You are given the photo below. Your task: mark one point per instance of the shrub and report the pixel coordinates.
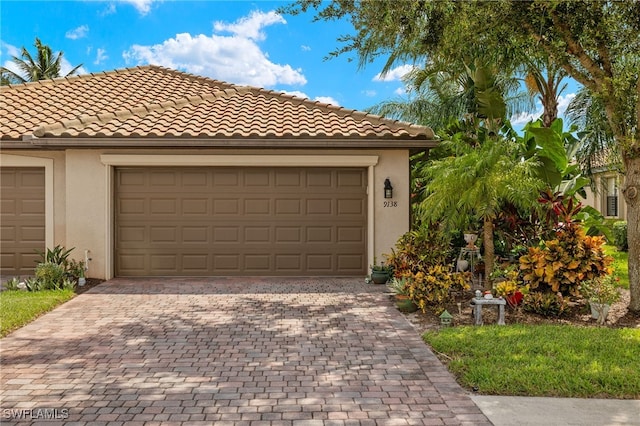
(432, 288)
(545, 304)
(58, 255)
(561, 264)
(620, 235)
(417, 251)
(50, 275)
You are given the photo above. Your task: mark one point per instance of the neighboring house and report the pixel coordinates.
(605, 195)
(154, 172)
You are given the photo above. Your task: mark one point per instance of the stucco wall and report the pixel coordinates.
(83, 193)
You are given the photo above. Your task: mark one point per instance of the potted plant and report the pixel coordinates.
(381, 273)
(400, 288)
(601, 292)
(76, 270)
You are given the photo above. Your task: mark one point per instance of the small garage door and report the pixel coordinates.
(240, 221)
(22, 219)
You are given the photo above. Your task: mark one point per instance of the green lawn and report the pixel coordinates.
(18, 308)
(543, 360)
(620, 264)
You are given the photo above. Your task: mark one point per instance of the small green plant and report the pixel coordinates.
(399, 286)
(620, 235)
(12, 284)
(601, 293)
(381, 267)
(50, 275)
(75, 269)
(545, 304)
(33, 284)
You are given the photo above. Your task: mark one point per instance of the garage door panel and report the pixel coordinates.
(319, 206)
(257, 263)
(22, 210)
(257, 234)
(195, 207)
(226, 206)
(255, 206)
(260, 221)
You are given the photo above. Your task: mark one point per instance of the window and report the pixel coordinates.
(611, 196)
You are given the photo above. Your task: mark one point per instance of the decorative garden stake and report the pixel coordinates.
(445, 318)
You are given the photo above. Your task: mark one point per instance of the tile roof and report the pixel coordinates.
(137, 105)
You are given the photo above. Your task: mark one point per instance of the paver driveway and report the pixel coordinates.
(229, 351)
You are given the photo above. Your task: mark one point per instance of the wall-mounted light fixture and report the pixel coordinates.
(388, 189)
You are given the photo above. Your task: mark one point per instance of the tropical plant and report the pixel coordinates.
(476, 184)
(58, 255)
(419, 250)
(545, 304)
(45, 65)
(432, 289)
(595, 43)
(561, 264)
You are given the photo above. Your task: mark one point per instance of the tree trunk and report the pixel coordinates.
(631, 191)
(489, 252)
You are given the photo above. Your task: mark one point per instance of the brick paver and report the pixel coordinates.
(229, 352)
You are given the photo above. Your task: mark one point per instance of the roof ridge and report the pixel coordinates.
(123, 114)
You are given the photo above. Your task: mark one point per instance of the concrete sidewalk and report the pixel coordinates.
(528, 411)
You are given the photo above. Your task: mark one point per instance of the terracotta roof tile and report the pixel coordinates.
(155, 102)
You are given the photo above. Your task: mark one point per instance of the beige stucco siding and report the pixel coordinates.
(82, 205)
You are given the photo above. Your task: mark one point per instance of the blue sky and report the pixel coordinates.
(242, 42)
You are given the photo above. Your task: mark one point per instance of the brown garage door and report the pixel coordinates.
(22, 219)
(240, 221)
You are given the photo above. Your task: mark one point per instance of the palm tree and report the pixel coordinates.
(45, 66)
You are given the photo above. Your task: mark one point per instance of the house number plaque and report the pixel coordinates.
(390, 204)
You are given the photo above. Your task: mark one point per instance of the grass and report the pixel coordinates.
(543, 360)
(18, 308)
(620, 264)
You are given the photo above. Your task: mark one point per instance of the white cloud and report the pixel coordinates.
(250, 26)
(65, 67)
(323, 99)
(525, 117)
(369, 93)
(142, 6)
(401, 91)
(77, 33)
(395, 74)
(305, 48)
(563, 103)
(235, 58)
(109, 10)
(11, 50)
(326, 100)
(100, 56)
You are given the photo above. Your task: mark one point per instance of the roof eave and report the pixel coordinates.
(178, 143)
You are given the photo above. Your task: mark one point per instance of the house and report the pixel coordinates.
(149, 171)
(605, 195)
